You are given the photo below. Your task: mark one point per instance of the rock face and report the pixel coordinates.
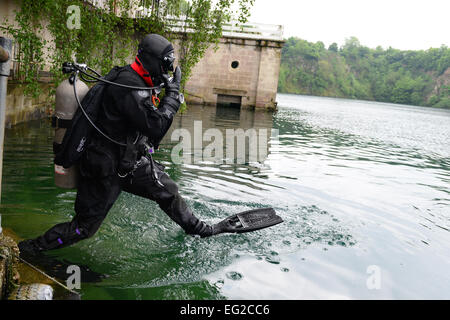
(442, 81)
(9, 275)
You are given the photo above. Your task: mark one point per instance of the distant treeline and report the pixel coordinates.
(355, 71)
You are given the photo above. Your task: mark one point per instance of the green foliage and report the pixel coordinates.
(107, 37)
(333, 47)
(32, 45)
(356, 71)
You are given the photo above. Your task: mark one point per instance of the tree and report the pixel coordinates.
(356, 71)
(333, 47)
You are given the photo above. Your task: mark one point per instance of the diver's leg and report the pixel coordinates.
(95, 198)
(167, 197)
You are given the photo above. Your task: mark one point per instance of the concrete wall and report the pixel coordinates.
(22, 108)
(255, 79)
(7, 14)
(7, 8)
(19, 107)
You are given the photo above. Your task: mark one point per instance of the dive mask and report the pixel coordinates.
(167, 62)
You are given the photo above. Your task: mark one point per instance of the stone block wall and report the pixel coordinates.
(254, 78)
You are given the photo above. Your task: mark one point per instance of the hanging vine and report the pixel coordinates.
(108, 36)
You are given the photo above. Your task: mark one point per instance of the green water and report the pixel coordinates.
(359, 184)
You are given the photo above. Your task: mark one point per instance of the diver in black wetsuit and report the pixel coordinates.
(124, 115)
(106, 168)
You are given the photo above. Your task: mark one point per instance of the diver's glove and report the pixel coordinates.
(172, 85)
(173, 98)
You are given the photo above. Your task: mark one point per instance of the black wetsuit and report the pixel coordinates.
(124, 114)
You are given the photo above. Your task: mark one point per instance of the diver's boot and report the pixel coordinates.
(247, 221)
(32, 252)
(206, 231)
(29, 247)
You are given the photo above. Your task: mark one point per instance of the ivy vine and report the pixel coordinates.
(107, 36)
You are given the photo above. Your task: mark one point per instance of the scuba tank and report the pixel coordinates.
(65, 107)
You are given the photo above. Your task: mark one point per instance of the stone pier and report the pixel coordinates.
(242, 71)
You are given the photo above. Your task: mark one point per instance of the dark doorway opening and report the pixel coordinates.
(229, 101)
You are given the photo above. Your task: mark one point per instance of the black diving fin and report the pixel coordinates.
(248, 221)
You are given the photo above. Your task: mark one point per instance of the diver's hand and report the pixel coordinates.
(173, 84)
(172, 98)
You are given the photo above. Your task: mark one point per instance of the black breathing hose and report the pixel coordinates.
(82, 68)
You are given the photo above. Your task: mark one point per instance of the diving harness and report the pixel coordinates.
(66, 106)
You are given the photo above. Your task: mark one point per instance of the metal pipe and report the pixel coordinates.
(5, 66)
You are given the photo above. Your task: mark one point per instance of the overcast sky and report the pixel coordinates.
(401, 24)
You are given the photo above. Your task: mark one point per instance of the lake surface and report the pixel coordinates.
(363, 188)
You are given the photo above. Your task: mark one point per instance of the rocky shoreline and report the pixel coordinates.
(21, 281)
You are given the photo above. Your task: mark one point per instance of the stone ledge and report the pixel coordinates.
(230, 92)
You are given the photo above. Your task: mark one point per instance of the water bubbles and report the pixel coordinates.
(273, 258)
(233, 275)
(219, 283)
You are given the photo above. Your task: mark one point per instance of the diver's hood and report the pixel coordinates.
(152, 51)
